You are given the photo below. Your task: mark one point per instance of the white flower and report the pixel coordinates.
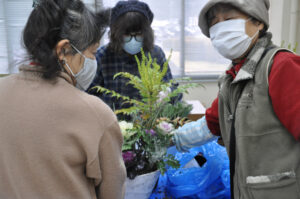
(165, 127)
(163, 94)
(124, 126)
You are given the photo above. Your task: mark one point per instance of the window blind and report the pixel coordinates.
(13, 17)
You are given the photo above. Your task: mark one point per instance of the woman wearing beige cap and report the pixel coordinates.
(257, 111)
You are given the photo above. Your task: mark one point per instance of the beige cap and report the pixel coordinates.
(255, 8)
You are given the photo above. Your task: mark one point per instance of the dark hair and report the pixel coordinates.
(127, 23)
(227, 7)
(54, 20)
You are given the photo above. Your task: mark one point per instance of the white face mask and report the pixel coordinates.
(230, 38)
(87, 73)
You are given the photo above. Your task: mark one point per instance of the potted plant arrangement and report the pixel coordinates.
(147, 136)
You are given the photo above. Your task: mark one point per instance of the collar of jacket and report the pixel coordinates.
(248, 69)
(37, 71)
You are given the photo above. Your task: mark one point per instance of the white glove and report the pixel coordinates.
(192, 134)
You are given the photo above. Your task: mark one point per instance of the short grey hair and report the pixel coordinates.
(54, 20)
(80, 28)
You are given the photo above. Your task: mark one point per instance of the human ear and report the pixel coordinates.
(61, 48)
(261, 26)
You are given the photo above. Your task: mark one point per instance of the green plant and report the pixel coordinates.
(294, 49)
(147, 138)
(173, 111)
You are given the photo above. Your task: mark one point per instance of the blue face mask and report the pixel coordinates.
(133, 46)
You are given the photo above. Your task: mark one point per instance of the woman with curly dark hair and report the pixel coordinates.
(55, 140)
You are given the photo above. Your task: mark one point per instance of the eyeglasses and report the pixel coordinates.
(128, 37)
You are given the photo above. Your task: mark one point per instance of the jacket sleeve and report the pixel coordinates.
(161, 59)
(113, 172)
(212, 118)
(193, 134)
(284, 90)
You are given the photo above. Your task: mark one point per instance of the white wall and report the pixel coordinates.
(205, 93)
(276, 19)
(284, 17)
(284, 24)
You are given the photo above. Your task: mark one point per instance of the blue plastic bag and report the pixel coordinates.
(210, 181)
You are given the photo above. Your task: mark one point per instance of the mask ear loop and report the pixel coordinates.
(64, 70)
(257, 32)
(65, 62)
(78, 51)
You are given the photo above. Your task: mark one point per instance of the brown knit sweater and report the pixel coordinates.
(57, 142)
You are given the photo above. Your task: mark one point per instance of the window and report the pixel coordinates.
(3, 44)
(176, 28)
(200, 58)
(13, 17)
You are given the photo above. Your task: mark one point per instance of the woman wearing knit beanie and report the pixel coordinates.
(257, 111)
(130, 30)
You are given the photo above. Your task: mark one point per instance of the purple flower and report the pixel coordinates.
(165, 127)
(151, 132)
(128, 156)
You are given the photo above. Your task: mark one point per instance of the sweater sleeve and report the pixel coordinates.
(284, 90)
(112, 167)
(212, 118)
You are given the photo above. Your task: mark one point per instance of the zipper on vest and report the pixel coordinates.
(233, 103)
(229, 104)
(230, 118)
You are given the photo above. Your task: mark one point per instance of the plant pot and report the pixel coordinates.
(141, 186)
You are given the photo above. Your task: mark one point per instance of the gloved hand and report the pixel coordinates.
(192, 134)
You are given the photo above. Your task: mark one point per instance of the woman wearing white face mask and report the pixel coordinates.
(257, 111)
(130, 30)
(234, 37)
(57, 141)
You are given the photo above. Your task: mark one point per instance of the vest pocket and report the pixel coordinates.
(279, 186)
